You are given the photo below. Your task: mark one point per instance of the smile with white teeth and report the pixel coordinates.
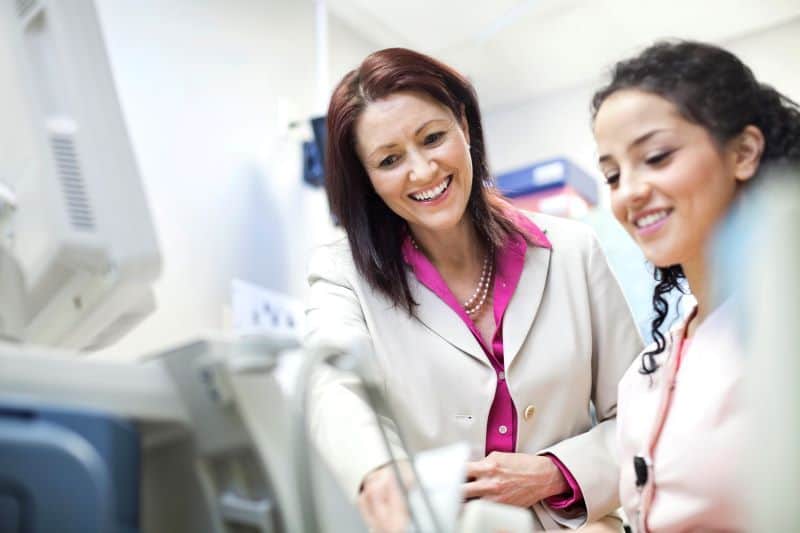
(652, 218)
(432, 193)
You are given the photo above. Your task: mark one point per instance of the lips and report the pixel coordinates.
(433, 193)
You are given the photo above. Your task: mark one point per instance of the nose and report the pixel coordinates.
(422, 168)
(633, 191)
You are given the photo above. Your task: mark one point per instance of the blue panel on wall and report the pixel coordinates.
(314, 153)
(313, 169)
(548, 175)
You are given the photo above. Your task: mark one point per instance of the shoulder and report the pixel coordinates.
(561, 231)
(332, 261)
(573, 244)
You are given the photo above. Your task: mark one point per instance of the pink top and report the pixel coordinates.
(689, 423)
(501, 427)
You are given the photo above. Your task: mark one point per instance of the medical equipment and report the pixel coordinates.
(78, 251)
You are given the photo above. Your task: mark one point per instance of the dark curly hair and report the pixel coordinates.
(710, 87)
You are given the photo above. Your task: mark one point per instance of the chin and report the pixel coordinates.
(662, 260)
(659, 258)
(441, 221)
(666, 252)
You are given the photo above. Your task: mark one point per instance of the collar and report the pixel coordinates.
(528, 232)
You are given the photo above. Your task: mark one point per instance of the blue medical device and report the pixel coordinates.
(67, 471)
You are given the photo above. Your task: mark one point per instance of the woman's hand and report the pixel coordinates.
(514, 479)
(381, 500)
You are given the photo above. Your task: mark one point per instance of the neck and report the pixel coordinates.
(454, 250)
(696, 272)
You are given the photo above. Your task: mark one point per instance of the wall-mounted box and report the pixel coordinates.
(554, 186)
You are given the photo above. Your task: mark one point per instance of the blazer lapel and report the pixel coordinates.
(524, 304)
(444, 322)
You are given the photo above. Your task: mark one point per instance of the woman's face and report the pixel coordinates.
(670, 183)
(416, 154)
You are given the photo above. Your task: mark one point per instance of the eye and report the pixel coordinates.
(656, 159)
(388, 161)
(433, 138)
(612, 179)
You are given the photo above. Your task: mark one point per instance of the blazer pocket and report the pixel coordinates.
(464, 421)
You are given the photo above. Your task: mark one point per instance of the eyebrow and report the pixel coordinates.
(416, 132)
(639, 140)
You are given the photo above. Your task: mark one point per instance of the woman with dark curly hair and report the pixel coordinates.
(489, 325)
(681, 130)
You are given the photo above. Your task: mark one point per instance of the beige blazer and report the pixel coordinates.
(568, 338)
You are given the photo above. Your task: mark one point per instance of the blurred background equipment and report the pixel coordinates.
(556, 187)
(78, 251)
(757, 258)
(772, 326)
(91, 446)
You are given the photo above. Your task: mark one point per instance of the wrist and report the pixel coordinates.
(554, 482)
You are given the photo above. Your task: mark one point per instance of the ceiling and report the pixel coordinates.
(514, 50)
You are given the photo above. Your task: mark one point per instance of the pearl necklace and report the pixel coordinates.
(474, 303)
(482, 290)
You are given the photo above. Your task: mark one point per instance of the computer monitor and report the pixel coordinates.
(78, 250)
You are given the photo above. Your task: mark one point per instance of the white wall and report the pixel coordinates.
(207, 89)
(774, 56)
(348, 50)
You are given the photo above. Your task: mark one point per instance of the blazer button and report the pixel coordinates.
(529, 412)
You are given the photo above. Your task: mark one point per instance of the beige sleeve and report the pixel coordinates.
(342, 424)
(591, 457)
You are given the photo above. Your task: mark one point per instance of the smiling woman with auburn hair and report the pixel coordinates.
(376, 232)
(489, 325)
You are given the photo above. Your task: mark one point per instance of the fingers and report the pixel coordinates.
(381, 502)
(365, 508)
(480, 483)
(393, 516)
(373, 501)
(376, 510)
(481, 488)
(482, 468)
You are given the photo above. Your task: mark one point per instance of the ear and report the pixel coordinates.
(748, 147)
